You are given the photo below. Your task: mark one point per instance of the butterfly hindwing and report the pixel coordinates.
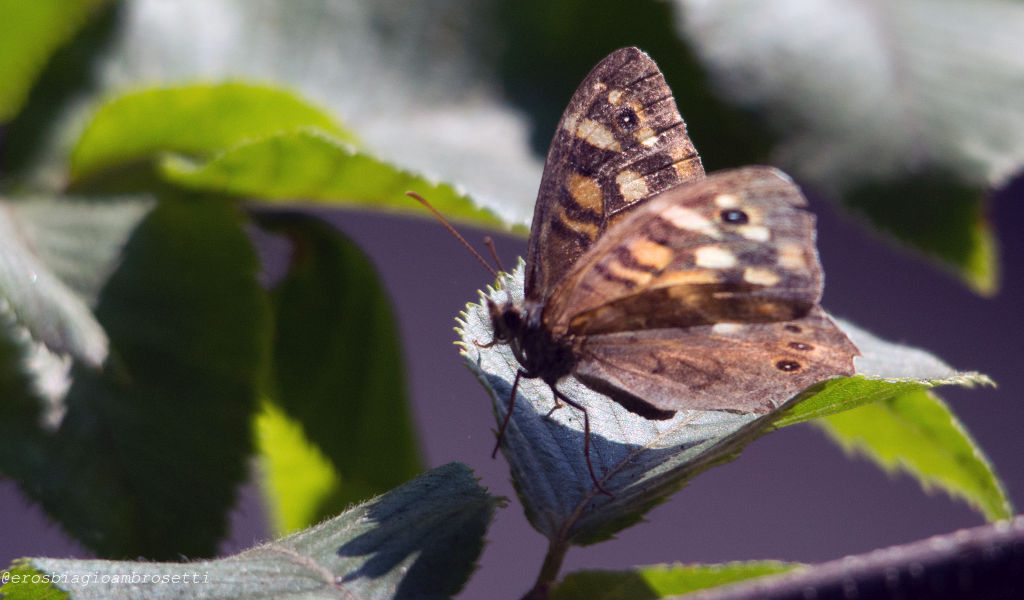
(620, 141)
(742, 367)
(734, 247)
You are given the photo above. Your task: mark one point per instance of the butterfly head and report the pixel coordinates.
(539, 353)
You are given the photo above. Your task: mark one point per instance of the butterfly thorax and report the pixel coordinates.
(540, 353)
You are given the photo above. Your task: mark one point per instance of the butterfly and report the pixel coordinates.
(654, 284)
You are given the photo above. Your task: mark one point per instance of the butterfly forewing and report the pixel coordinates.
(734, 247)
(620, 141)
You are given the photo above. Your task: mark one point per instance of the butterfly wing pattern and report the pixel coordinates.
(620, 141)
(656, 285)
(705, 298)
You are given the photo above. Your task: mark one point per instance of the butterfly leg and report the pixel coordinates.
(586, 438)
(508, 414)
(487, 345)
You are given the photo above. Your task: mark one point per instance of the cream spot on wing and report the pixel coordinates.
(727, 201)
(585, 191)
(597, 135)
(569, 123)
(686, 278)
(726, 328)
(687, 169)
(760, 276)
(623, 272)
(714, 257)
(791, 256)
(588, 229)
(757, 233)
(646, 136)
(650, 253)
(631, 185)
(690, 220)
(615, 97)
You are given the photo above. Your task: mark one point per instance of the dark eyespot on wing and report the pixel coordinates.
(734, 217)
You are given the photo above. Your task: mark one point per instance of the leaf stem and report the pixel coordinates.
(549, 570)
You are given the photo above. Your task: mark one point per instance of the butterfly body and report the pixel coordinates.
(656, 285)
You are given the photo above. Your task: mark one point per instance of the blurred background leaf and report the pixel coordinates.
(337, 367)
(147, 458)
(659, 581)
(909, 111)
(29, 34)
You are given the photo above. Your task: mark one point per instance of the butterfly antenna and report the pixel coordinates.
(494, 253)
(452, 231)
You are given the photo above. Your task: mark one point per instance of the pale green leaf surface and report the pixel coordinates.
(917, 433)
(199, 119)
(312, 166)
(29, 32)
(420, 540)
(657, 581)
(640, 461)
(54, 257)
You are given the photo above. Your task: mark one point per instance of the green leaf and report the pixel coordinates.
(658, 581)
(640, 461)
(917, 433)
(29, 33)
(418, 541)
(146, 460)
(871, 104)
(26, 583)
(308, 166)
(940, 216)
(441, 112)
(198, 120)
(55, 257)
(337, 363)
(298, 481)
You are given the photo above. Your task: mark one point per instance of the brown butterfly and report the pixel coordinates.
(657, 286)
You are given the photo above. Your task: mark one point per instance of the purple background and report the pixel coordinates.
(792, 495)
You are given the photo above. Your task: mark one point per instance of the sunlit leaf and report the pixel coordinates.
(418, 541)
(29, 33)
(641, 461)
(658, 581)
